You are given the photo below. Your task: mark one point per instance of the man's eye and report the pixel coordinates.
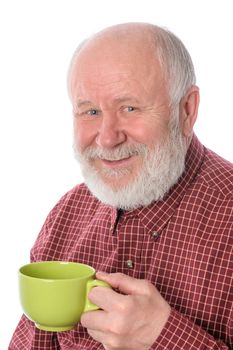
(92, 112)
(129, 109)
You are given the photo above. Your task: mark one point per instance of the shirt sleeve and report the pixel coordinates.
(181, 333)
(27, 337)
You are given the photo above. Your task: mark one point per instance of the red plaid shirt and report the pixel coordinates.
(182, 244)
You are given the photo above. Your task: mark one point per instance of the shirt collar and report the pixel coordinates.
(156, 215)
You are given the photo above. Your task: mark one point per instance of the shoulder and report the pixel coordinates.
(78, 199)
(217, 173)
(78, 193)
(64, 222)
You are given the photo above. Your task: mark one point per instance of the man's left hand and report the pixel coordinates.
(132, 320)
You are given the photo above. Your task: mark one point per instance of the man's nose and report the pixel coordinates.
(111, 132)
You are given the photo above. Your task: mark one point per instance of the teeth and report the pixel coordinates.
(111, 160)
(114, 159)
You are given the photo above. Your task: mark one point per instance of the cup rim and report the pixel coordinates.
(56, 262)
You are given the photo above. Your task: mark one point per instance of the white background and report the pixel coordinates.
(37, 39)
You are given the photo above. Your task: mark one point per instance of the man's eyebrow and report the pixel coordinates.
(117, 100)
(126, 99)
(81, 103)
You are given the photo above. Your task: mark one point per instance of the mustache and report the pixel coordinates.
(121, 152)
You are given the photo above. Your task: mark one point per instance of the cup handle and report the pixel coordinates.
(89, 306)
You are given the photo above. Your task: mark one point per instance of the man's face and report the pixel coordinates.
(119, 101)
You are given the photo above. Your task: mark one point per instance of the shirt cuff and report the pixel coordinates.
(181, 333)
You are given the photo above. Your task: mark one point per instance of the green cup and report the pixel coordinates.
(54, 294)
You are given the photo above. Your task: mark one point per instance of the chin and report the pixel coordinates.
(117, 184)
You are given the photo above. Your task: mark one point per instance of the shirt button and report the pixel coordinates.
(155, 234)
(129, 264)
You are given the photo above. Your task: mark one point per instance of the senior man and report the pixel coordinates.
(154, 216)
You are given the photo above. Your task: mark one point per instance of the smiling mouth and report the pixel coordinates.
(116, 162)
(115, 159)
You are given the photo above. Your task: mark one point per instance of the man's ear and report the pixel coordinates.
(188, 110)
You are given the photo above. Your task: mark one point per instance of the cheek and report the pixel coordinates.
(84, 135)
(149, 133)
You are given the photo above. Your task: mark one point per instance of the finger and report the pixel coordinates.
(124, 283)
(101, 338)
(94, 320)
(105, 298)
(99, 328)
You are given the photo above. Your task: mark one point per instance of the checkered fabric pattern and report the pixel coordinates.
(183, 245)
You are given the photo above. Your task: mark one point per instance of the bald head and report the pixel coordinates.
(129, 34)
(144, 43)
(119, 42)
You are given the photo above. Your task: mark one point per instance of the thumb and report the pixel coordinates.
(122, 282)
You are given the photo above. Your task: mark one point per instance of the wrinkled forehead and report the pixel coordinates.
(111, 56)
(116, 48)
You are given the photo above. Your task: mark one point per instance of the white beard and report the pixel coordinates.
(161, 169)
